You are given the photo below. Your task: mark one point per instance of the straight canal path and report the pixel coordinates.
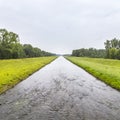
(60, 91)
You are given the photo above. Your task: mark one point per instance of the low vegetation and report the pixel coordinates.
(14, 70)
(106, 70)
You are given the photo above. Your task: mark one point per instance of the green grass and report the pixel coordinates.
(106, 70)
(13, 71)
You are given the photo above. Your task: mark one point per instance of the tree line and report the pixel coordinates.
(111, 51)
(91, 52)
(112, 48)
(10, 47)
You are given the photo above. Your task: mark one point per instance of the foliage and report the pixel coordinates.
(104, 69)
(112, 48)
(7, 41)
(91, 52)
(112, 51)
(10, 47)
(14, 70)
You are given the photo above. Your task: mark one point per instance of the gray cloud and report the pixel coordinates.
(61, 26)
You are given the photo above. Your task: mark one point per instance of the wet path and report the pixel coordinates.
(60, 91)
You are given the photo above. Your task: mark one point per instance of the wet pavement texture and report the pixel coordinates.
(60, 91)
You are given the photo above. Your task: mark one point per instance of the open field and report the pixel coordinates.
(13, 71)
(106, 70)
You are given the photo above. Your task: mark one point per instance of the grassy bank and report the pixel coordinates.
(104, 69)
(13, 71)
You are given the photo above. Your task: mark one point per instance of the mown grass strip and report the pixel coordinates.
(13, 71)
(106, 70)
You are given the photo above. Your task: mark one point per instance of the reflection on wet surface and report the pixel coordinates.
(60, 91)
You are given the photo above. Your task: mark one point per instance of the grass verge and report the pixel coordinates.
(15, 70)
(106, 70)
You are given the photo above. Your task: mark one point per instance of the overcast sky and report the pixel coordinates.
(59, 26)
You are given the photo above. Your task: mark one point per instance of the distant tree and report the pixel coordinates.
(75, 53)
(37, 52)
(118, 54)
(114, 43)
(10, 47)
(91, 52)
(29, 50)
(113, 48)
(7, 39)
(107, 47)
(17, 51)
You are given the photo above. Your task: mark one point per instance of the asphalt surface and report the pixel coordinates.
(60, 91)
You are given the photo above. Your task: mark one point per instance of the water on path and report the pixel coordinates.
(60, 91)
